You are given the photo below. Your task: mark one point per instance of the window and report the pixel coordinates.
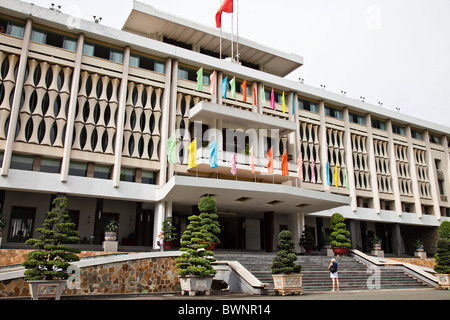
(147, 63)
(21, 224)
(308, 105)
(12, 28)
(78, 169)
(435, 139)
(416, 134)
(148, 177)
(335, 113)
(191, 75)
(22, 162)
(102, 172)
(356, 118)
(378, 124)
(53, 39)
(102, 52)
(127, 174)
(50, 165)
(398, 129)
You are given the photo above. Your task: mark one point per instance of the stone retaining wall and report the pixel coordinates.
(133, 273)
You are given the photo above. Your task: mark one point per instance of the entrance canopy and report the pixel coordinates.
(249, 197)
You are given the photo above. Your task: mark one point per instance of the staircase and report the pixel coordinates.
(353, 275)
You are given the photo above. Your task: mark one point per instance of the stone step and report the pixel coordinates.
(353, 274)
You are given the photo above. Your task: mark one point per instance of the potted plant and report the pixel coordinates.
(376, 243)
(194, 266)
(208, 214)
(442, 256)
(46, 268)
(170, 236)
(419, 246)
(339, 235)
(111, 228)
(285, 273)
(307, 239)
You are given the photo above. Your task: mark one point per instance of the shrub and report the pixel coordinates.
(442, 255)
(195, 260)
(339, 233)
(53, 257)
(169, 230)
(286, 256)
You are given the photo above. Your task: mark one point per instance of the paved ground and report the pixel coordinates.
(411, 294)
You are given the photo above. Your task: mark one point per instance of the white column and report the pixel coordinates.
(16, 100)
(157, 222)
(121, 118)
(323, 146)
(432, 177)
(413, 173)
(393, 169)
(72, 109)
(372, 166)
(165, 119)
(349, 161)
(173, 106)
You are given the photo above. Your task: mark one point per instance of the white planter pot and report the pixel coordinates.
(443, 280)
(47, 288)
(288, 283)
(110, 236)
(192, 285)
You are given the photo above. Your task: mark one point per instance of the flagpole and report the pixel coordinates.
(232, 36)
(237, 30)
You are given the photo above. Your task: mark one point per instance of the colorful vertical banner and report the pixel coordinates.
(284, 165)
(252, 160)
(192, 162)
(224, 87)
(244, 91)
(336, 181)
(313, 172)
(233, 164)
(212, 86)
(284, 103)
(172, 149)
(200, 80)
(328, 174)
(293, 104)
(272, 100)
(263, 97)
(255, 98)
(233, 88)
(213, 154)
(300, 166)
(270, 161)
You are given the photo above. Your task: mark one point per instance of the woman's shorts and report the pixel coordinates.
(334, 275)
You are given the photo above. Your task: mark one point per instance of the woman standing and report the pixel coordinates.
(333, 267)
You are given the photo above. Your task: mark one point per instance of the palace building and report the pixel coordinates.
(86, 111)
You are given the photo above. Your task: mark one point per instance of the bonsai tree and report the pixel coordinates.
(208, 214)
(307, 239)
(195, 259)
(286, 256)
(53, 257)
(168, 229)
(442, 255)
(339, 233)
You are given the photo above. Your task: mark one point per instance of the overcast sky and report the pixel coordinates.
(392, 51)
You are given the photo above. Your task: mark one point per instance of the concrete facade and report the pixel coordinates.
(86, 111)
